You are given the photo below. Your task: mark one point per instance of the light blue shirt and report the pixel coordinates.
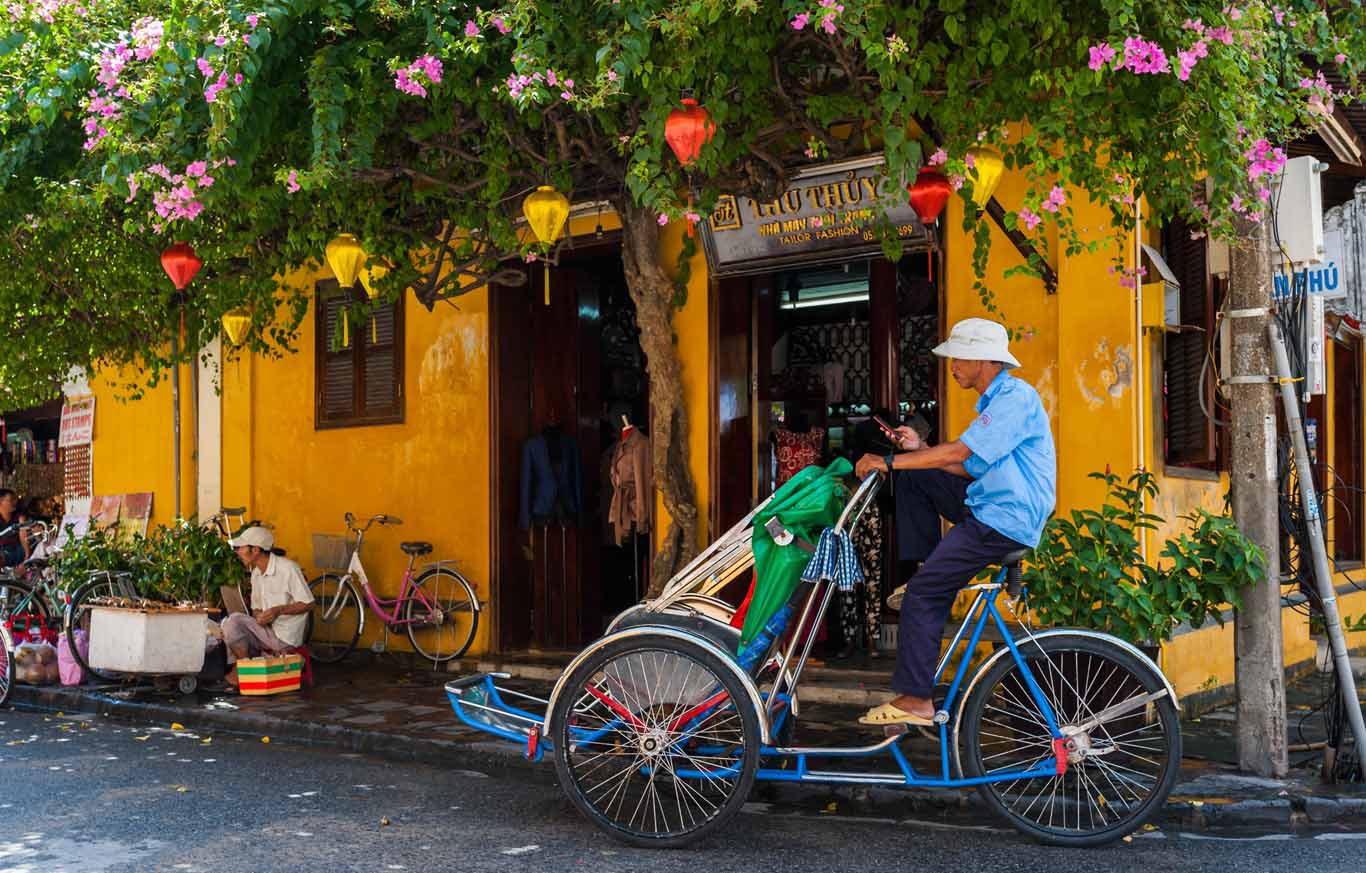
(1013, 464)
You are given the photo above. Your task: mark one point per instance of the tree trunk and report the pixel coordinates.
(653, 293)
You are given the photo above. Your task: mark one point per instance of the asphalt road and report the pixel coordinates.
(84, 794)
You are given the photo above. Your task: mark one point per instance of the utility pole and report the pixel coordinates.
(1259, 653)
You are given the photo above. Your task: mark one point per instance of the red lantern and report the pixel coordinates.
(181, 264)
(929, 194)
(687, 130)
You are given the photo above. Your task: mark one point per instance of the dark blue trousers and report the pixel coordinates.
(950, 563)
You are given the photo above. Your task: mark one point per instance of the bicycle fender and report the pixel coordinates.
(752, 690)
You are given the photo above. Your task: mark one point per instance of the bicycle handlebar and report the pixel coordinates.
(374, 519)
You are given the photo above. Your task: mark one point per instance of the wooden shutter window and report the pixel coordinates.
(360, 383)
(1190, 434)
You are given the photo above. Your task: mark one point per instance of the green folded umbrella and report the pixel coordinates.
(806, 504)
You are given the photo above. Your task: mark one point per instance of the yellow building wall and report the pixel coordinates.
(132, 447)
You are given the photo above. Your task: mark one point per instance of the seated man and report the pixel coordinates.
(996, 483)
(13, 538)
(280, 602)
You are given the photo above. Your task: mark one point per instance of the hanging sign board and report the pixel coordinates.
(827, 214)
(78, 422)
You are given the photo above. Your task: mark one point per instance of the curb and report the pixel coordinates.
(479, 753)
(1291, 809)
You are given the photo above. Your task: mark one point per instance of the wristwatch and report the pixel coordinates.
(889, 459)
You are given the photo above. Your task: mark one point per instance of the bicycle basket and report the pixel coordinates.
(332, 552)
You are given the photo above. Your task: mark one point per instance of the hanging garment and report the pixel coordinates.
(552, 482)
(861, 610)
(832, 374)
(797, 451)
(633, 490)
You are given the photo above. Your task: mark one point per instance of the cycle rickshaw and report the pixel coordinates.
(660, 728)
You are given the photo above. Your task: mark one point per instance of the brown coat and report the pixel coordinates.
(633, 492)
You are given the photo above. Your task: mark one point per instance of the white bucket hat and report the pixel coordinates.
(259, 537)
(978, 339)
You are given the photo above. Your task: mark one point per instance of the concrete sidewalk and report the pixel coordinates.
(405, 715)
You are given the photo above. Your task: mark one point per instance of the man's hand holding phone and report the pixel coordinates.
(904, 437)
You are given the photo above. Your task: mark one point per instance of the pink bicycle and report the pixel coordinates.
(437, 607)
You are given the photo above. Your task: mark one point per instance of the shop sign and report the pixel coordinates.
(827, 213)
(78, 422)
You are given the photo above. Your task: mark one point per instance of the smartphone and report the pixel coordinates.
(885, 428)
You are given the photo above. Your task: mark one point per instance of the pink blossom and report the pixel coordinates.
(252, 21)
(938, 158)
(693, 217)
(1030, 220)
(569, 83)
(471, 29)
(817, 221)
(205, 68)
(221, 41)
(237, 79)
(1100, 55)
(1194, 24)
(246, 40)
(809, 152)
(198, 168)
(1233, 12)
(132, 187)
(530, 257)
(1264, 194)
(566, 95)
(231, 162)
(1056, 198)
(799, 22)
(971, 160)
(1142, 56)
(551, 79)
(292, 181)
(205, 181)
(611, 75)
(500, 25)
(828, 24)
(147, 34)
(955, 181)
(211, 92)
(1221, 34)
(1339, 58)
(663, 219)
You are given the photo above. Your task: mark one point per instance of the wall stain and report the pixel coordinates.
(1114, 375)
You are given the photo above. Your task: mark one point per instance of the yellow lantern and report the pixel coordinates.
(546, 210)
(987, 168)
(370, 276)
(345, 257)
(369, 279)
(236, 323)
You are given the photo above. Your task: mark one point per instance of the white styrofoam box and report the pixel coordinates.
(1299, 211)
(147, 641)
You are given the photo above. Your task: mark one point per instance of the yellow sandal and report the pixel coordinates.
(886, 714)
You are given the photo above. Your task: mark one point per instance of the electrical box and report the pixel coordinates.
(1315, 375)
(1218, 257)
(1299, 211)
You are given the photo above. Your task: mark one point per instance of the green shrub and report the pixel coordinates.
(182, 562)
(1088, 570)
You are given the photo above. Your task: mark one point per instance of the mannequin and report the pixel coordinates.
(797, 446)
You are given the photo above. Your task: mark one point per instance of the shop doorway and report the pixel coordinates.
(567, 377)
(804, 358)
(818, 349)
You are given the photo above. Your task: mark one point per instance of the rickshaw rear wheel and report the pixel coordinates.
(1120, 770)
(656, 740)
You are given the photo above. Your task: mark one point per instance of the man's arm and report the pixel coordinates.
(945, 456)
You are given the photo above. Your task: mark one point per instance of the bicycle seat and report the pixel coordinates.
(1015, 557)
(416, 549)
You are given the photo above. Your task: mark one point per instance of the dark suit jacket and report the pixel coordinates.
(547, 492)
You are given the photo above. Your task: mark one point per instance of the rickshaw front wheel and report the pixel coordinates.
(656, 740)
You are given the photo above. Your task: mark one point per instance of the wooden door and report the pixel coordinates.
(733, 471)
